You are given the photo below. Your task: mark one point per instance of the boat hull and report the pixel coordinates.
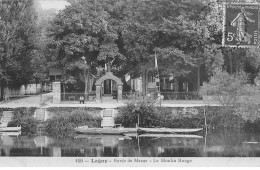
(165, 135)
(10, 129)
(10, 133)
(104, 131)
(123, 131)
(167, 130)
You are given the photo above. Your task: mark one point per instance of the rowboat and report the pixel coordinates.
(10, 133)
(253, 142)
(105, 131)
(118, 137)
(168, 130)
(166, 135)
(10, 129)
(123, 131)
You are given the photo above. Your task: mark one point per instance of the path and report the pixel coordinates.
(35, 101)
(28, 101)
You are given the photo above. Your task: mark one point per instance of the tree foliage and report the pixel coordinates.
(131, 31)
(17, 30)
(229, 90)
(185, 35)
(85, 29)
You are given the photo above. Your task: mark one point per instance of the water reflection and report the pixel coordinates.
(218, 144)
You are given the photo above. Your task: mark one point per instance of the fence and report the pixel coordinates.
(75, 96)
(70, 97)
(166, 96)
(181, 96)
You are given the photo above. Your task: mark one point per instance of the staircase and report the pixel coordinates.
(6, 118)
(108, 120)
(40, 115)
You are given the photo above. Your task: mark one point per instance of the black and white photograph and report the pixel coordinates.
(123, 83)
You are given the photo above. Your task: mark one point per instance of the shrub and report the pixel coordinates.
(252, 126)
(216, 117)
(233, 91)
(28, 125)
(23, 117)
(223, 117)
(148, 115)
(58, 111)
(1, 114)
(62, 124)
(23, 112)
(151, 116)
(226, 88)
(179, 118)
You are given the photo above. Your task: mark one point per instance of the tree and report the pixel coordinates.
(41, 54)
(185, 36)
(178, 31)
(17, 29)
(233, 91)
(228, 89)
(84, 29)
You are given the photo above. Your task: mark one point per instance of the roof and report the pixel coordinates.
(55, 72)
(109, 75)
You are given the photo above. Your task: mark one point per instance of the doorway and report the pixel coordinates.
(107, 87)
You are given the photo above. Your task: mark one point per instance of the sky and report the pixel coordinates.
(56, 4)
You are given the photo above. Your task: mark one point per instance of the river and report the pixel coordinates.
(217, 144)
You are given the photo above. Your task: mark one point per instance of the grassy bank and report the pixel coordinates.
(62, 121)
(24, 117)
(212, 117)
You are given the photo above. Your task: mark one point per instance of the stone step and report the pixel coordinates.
(108, 120)
(39, 114)
(9, 116)
(8, 113)
(6, 118)
(108, 112)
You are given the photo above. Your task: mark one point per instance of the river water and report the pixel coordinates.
(217, 144)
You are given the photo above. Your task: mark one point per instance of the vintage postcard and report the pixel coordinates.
(129, 83)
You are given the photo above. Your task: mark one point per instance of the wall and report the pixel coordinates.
(25, 90)
(33, 88)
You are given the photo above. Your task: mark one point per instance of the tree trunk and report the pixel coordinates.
(230, 64)
(144, 82)
(64, 89)
(2, 90)
(176, 85)
(86, 76)
(198, 85)
(237, 67)
(108, 67)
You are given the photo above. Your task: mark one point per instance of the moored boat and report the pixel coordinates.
(89, 136)
(105, 131)
(168, 130)
(10, 133)
(166, 135)
(124, 131)
(10, 129)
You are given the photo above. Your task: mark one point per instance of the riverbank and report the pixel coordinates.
(37, 101)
